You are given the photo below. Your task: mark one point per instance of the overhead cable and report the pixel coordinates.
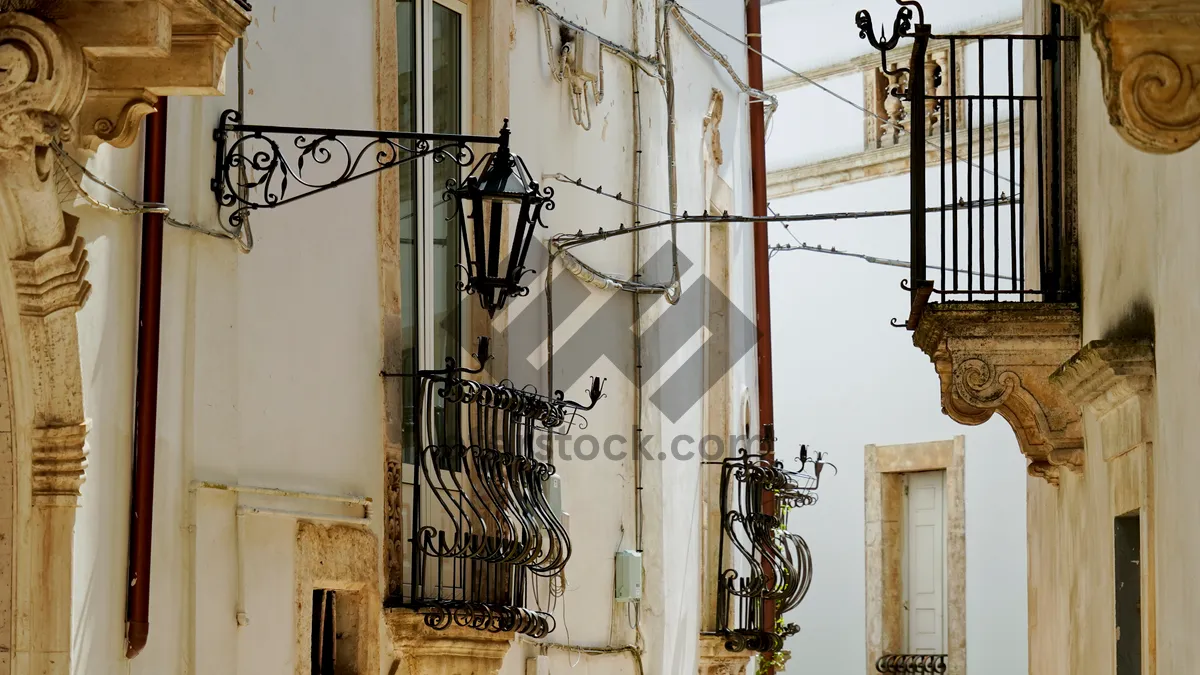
(827, 90)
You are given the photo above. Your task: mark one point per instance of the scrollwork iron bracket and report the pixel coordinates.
(901, 27)
(261, 166)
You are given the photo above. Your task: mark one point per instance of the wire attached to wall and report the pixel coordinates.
(243, 235)
(136, 206)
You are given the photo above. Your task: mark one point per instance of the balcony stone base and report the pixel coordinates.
(455, 650)
(714, 659)
(998, 357)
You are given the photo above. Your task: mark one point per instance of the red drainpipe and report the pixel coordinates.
(137, 600)
(762, 279)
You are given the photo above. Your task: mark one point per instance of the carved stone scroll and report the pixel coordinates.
(997, 358)
(1150, 68)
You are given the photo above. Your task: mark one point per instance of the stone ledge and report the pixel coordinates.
(1114, 380)
(139, 50)
(454, 650)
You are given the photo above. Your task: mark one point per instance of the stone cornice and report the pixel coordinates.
(902, 52)
(1105, 374)
(1149, 58)
(864, 166)
(425, 651)
(139, 50)
(997, 357)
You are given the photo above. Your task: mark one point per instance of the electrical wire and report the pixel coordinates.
(770, 103)
(137, 206)
(827, 90)
(565, 241)
(874, 260)
(650, 66)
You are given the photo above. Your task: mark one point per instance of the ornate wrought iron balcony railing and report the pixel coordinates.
(1003, 228)
(764, 569)
(918, 664)
(469, 526)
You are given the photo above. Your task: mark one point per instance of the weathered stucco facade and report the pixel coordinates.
(1101, 392)
(1135, 379)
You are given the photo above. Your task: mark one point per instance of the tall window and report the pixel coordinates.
(431, 41)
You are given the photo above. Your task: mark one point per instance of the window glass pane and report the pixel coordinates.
(406, 43)
(447, 103)
(446, 33)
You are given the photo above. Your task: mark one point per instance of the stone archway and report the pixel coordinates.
(43, 79)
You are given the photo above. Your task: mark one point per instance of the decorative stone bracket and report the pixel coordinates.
(456, 650)
(1114, 380)
(998, 357)
(1149, 54)
(139, 50)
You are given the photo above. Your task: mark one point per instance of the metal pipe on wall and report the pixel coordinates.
(762, 254)
(145, 414)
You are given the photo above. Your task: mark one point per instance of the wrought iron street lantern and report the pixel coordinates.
(263, 167)
(499, 182)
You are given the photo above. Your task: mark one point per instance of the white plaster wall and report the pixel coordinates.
(846, 378)
(269, 360)
(1138, 242)
(268, 371)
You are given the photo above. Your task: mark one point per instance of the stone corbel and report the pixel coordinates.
(997, 358)
(114, 116)
(139, 50)
(1114, 380)
(1149, 55)
(454, 650)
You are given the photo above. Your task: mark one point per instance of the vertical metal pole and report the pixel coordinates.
(916, 127)
(1052, 284)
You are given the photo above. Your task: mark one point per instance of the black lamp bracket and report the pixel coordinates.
(261, 166)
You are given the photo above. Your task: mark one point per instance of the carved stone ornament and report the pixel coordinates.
(998, 358)
(1114, 381)
(1149, 54)
(456, 650)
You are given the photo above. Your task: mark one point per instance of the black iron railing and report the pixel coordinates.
(470, 528)
(920, 664)
(764, 570)
(994, 148)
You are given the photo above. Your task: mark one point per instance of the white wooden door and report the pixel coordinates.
(925, 562)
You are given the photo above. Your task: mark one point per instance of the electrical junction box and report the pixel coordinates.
(552, 488)
(629, 576)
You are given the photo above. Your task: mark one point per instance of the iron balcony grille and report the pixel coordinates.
(921, 664)
(994, 146)
(759, 561)
(470, 529)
